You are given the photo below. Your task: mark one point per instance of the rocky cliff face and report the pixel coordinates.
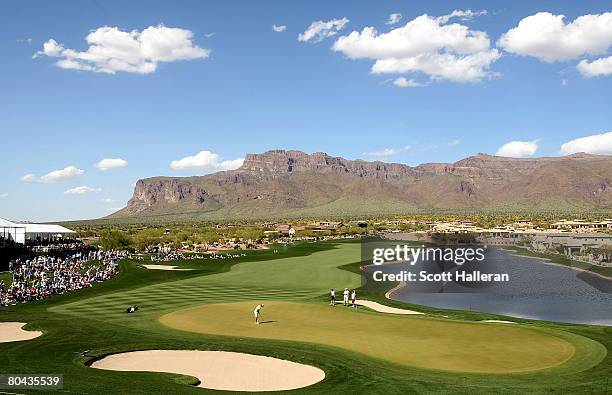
(281, 181)
(280, 162)
(148, 193)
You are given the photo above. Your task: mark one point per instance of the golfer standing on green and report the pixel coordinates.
(257, 311)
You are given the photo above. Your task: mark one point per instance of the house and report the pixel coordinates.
(579, 224)
(285, 229)
(571, 243)
(327, 224)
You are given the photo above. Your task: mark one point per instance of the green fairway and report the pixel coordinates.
(287, 278)
(91, 322)
(420, 342)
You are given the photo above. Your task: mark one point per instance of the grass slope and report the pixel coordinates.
(7, 278)
(428, 343)
(91, 323)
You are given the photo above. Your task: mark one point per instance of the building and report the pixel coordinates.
(330, 224)
(22, 233)
(579, 224)
(285, 229)
(571, 243)
(325, 225)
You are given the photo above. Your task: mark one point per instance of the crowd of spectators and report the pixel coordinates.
(166, 257)
(177, 256)
(58, 248)
(225, 256)
(44, 275)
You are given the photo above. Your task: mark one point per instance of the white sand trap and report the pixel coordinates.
(499, 321)
(219, 370)
(164, 267)
(12, 332)
(385, 309)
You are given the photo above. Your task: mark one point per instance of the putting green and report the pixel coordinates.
(419, 342)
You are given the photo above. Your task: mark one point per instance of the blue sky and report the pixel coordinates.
(242, 87)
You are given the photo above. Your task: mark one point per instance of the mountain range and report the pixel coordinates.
(283, 183)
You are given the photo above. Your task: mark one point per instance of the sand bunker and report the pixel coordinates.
(164, 267)
(385, 309)
(218, 370)
(499, 321)
(12, 332)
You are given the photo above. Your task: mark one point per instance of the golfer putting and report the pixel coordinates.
(257, 312)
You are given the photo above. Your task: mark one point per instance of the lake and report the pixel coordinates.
(537, 290)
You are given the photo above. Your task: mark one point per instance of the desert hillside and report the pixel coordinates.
(292, 182)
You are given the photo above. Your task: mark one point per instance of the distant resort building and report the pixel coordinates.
(572, 238)
(281, 229)
(285, 229)
(522, 227)
(23, 233)
(571, 243)
(580, 224)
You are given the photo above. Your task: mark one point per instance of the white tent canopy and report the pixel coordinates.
(20, 233)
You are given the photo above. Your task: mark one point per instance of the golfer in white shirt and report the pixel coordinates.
(257, 312)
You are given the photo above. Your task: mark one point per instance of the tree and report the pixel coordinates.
(305, 233)
(250, 233)
(605, 251)
(146, 238)
(115, 240)
(352, 230)
(206, 237)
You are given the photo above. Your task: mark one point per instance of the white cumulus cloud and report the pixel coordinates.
(426, 44)
(518, 149)
(3, 195)
(598, 67)
(464, 15)
(404, 82)
(596, 144)
(548, 37)
(279, 28)
(394, 18)
(387, 152)
(66, 173)
(111, 163)
(112, 50)
(28, 177)
(81, 190)
(205, 161)
(319, 30)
